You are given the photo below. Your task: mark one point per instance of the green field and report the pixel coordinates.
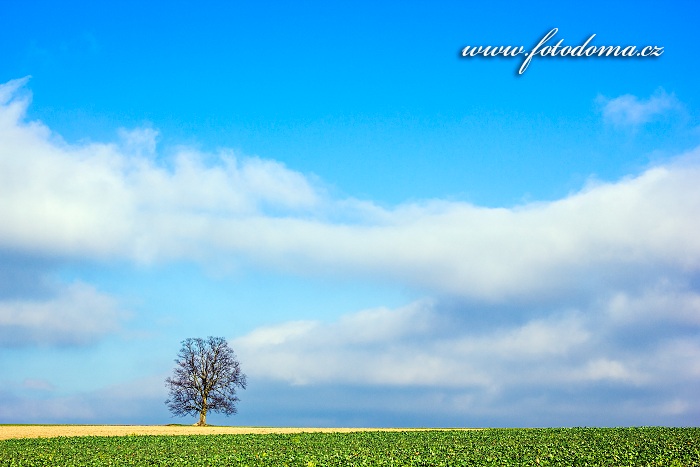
(504, 447)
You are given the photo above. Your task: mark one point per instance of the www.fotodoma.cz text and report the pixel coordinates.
(547, 48)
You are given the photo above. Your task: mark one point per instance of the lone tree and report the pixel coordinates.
(205, 378)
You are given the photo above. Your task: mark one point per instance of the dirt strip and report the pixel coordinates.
(52, 431)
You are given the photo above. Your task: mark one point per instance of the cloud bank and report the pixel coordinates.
(619, 347)
(106, 201)
(77, 315)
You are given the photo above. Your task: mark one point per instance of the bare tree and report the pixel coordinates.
(205, 378)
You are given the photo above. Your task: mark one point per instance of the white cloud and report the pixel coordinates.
(139, 141)
(8, 93)
(409, 346)
(629, 110)
(78, 315)
(378, 346)
(113, 200)
(663, 303)
(624, 229)
(426, 347)
(606, 369)
(105, 200)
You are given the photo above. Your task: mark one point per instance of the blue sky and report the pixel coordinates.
(386, 233)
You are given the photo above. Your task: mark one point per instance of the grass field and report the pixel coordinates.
(493, 447)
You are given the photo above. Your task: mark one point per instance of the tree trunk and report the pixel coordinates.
(203, 412)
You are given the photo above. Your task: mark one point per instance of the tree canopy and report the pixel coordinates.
(205, 378)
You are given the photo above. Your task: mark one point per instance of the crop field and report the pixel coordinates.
(489, 447)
